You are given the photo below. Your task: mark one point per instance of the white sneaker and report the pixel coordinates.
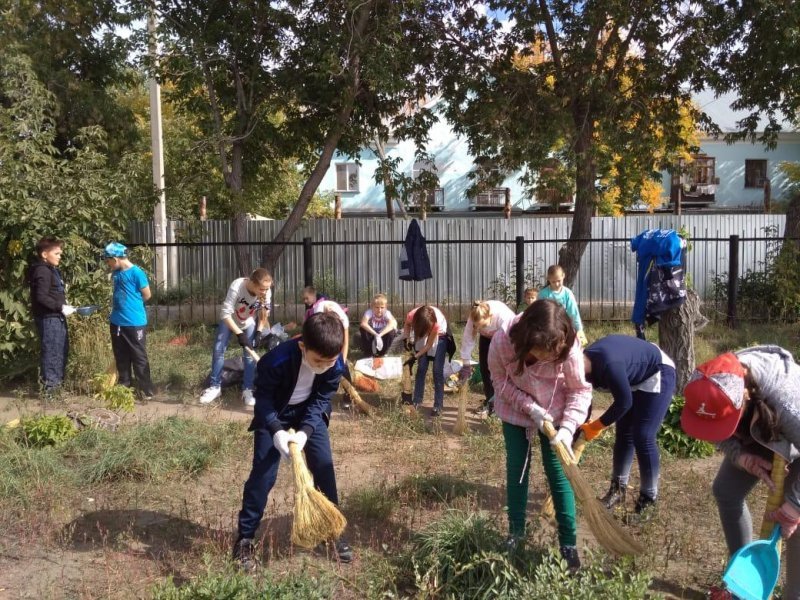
(210, 394)
(248, 399)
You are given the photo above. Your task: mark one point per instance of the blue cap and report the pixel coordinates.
(115, 250)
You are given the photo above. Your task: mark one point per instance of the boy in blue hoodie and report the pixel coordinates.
(293, 389)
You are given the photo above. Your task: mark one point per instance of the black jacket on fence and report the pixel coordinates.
(47, 289)
(414, 262)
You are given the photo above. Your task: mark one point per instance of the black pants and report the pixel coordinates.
(55, 348)
(366, 342)
(483, 364)
(129, 345)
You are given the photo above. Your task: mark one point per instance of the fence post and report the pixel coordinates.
(337, 206)
(733, 279)
(507, 205)
(520, 263)
(308, 262)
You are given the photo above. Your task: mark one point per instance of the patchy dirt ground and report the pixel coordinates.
(117, 541)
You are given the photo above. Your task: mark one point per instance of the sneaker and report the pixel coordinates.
(570, 555)
(210, 394)
(615, 495)
(248, 399)
(513, 544)
(244, 553)
(436, 412)
(343, 551)
(482, 412)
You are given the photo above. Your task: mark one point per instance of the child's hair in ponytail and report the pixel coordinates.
(767, 422)
(544, 325)
(479, 313)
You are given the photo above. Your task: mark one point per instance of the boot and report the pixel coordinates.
(615, 495)
(570, 554)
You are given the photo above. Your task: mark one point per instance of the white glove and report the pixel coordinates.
(378, 343)
(281, 441)
(564, 436)
(300, 438)
(539, 415)
(67, 310)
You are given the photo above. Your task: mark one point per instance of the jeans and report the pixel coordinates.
(731, 487)
(637, 430)
(218, 357)
(518, 455)
(438, 375)
(266, 459)
(55, 348)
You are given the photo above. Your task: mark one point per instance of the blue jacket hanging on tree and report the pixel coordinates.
(659, 256)
(414, 262)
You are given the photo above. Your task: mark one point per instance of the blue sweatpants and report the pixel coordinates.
(55, 348)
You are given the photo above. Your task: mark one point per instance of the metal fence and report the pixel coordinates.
(351, 260)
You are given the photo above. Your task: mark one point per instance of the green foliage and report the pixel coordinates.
(771, 292)
(117, 397)
(462, 555)
(376, 503)
(435, 488)
(330, 286)
(46, 430)
(72, 195)
(173, 447)
(231, 583)
(674, 441)
(504, 286)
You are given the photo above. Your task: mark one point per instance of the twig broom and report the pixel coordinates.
(460, 427)
(316, 519)
(358, 401)
(606, 530)
(548, 508)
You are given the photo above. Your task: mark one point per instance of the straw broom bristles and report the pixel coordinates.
(548, 508)
(316, 519)
(460, 427)
(605, 529)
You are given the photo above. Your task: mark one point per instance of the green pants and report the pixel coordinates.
(517, 449)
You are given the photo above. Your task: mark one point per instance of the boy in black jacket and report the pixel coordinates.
(50, 309)
(293, 389)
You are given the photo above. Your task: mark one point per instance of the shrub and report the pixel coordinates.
(117, 397)
(372, 503)
(46, 430)
(674, 441)
(231, 583)
(504, 286)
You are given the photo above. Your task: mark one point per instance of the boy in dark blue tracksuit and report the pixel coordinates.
(293, 388)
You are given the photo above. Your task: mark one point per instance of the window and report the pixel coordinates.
(701, 171)
(346, 177)
(755, 173)
(422, 166)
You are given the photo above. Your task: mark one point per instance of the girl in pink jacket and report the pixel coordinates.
(537, 373)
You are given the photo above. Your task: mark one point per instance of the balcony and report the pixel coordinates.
(433, 199)
(491, 199)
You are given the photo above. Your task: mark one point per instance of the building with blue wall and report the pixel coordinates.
(723, 175)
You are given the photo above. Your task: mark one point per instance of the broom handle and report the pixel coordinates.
(550, 432)
(775, 499)
(294, 452)
(253, 354)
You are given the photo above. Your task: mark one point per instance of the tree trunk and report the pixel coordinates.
(676, 331)
(234, 182)
(570, 254)
(387, 184)
(792, 225)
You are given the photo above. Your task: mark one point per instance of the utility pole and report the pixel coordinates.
(156, 144)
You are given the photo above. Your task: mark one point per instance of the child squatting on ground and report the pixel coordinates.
(129, 319)
(245, 314)
(378, 328)
(555, 290)
(537, 373)
(641, 378)
(748, 402)
(486, 317)
(531, 295)
(429, 326)
(294, 385)
(50, 310)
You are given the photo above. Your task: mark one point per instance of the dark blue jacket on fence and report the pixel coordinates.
(276, 378)
(414, 262)
(661, 247)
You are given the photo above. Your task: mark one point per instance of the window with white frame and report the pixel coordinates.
(755, 173)
(346, 177)
(422, 166)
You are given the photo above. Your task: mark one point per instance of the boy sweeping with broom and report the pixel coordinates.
(293, 389)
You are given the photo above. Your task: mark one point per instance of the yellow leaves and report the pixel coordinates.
(14, 248)
(652, 194)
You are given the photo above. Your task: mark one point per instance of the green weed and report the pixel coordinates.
(371, 503)
(46, 430)
(435, 488)
(674, 441)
